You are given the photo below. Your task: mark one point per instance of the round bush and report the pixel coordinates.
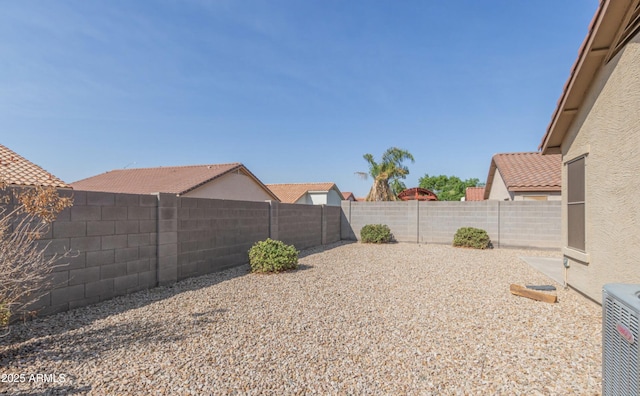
(471, 237)
(272, 256)
(376, 233)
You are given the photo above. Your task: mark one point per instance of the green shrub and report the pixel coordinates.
(376, 233)
(472, 237)
(272, 256)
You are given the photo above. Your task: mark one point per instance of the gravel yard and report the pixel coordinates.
(354, 319)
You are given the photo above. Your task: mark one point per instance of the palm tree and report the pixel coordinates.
(389, 170)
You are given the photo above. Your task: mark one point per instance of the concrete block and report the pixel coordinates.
(123, 283)
(64, 229)
(127, 227)
(100, 199)
(66, 294)
(147, 279)
(59, 279)
(148, 226)
(136, 266)
(110, 242)
(168, 250)
(100, 228)
(146, 252)
(86, 244)
(101, 257)
(53, 309)
(73, 261)
(102, 288)
(114, 213)
(127, 200)
(149, 200)
(167, 225)
(139, 213)
(85, 213)
(84, 275)
(54, 246)
(187, 202)
(113, 270)
(126, 254)
(79, 197)
(135, 240)
(84, 302)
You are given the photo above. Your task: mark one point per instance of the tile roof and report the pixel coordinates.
(170, 179)
(347, 195)
(291, 192)
(17, 170)
(527, 171)
(474, 194)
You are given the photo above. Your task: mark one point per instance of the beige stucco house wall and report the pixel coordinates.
(607, 130)
(331, 198)
(598, 118)
(235, 186)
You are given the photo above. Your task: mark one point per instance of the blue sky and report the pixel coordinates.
(296, 90)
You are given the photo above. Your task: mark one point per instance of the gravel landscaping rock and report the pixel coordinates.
(354, 319)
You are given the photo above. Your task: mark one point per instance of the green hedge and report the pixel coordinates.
(472, 237)
(272, 256)
(376, 233)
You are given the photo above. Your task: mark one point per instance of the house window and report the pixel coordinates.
(575, 204)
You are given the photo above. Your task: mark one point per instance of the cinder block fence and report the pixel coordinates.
(528, 224)
(123, 243)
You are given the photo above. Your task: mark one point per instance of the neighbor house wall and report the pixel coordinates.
(528, 224)
(499, 190)
(607, 130)
(236, 186)
(546, 196)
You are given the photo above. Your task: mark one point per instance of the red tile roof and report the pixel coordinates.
(171, 179)
(348, 195)
(291, 192)
(527, 172)
(474, 194)
(16, 170)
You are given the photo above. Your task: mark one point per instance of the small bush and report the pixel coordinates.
(376, 233)
(272, 256)
(472, 237)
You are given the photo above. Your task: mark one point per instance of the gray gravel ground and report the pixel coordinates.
(354, 319)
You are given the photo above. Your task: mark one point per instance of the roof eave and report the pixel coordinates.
(596, 46)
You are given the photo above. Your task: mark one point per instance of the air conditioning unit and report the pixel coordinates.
(620, 338)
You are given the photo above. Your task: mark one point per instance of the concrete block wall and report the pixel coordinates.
(300, 225)
(439, 221)
(509, 224)
(331, 224)
(524, 224)
(217, 234)
(112, 238)
(401, 217)
(123, 243)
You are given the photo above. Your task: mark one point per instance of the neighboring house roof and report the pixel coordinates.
(526, 172)
(474, 194)
(177, 180)
(17, 170)
(291, 192)
(417, 193)
(348, 196)
(610, 29)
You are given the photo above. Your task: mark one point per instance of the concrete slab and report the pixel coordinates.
(550, 266)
